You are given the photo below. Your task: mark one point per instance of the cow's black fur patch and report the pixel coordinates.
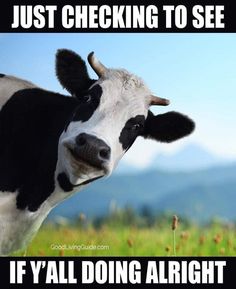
(133, 127)
(168, 127)
(2, 75)
(30, 125)
(67, 186)
(64, 182)
(72, 72)
(87, 106)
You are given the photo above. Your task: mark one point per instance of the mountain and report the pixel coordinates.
(199, 195)
(203, 201)
(191, 157)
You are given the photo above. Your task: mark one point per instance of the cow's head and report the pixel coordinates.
(112, 112)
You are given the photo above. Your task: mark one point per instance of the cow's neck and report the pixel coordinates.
(18, 227)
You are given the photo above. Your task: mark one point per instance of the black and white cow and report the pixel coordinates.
(52, 145)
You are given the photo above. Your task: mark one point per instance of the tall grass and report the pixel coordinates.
(85, 240)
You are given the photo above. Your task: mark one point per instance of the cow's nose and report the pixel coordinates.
(92, 150)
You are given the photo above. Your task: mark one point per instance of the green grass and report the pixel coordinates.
(216, 240)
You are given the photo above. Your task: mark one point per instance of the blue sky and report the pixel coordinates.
(197, 72)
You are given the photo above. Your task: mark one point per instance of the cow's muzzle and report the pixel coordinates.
(91, 150)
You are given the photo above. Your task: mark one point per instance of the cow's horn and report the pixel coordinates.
(96, 65)
(155, 100)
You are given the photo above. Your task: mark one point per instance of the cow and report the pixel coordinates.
(53, 145)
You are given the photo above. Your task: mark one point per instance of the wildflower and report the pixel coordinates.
(202, 239)
(184, 235)
(217, 238)
(174, 222)
(222, 251)
(174, 227)
(168, 248)
(130, 243)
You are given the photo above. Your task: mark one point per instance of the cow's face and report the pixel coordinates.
(111, 113)
(108, 119)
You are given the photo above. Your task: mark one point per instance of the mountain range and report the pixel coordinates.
(189, 158)
(199, 195)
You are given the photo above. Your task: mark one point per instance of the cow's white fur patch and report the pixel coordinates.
(18, 227)
(9, 85)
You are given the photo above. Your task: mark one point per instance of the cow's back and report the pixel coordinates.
(9, 85)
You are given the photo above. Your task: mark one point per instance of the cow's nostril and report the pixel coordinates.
(104, 153)
(81, 140)
(91, 150)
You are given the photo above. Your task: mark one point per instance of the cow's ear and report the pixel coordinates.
(167, 127)
(72, 72)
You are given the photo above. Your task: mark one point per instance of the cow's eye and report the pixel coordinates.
(136, 126)
(87, 98)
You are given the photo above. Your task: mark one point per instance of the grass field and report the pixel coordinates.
(52, 240)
